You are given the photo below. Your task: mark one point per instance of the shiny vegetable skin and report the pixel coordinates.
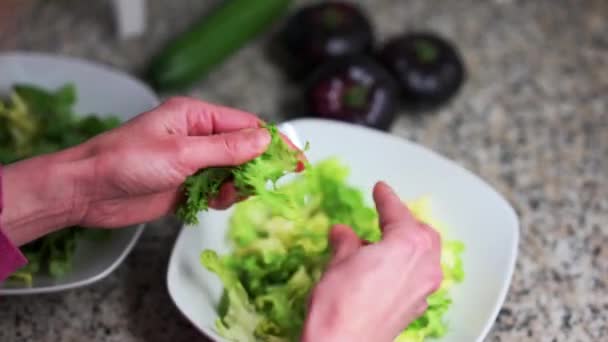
(323, 31)
(353, 89)
(209, 42)
(428, 68)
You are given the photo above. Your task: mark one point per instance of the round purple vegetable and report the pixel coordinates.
(353, 89)
(427, 67)
(322, 31)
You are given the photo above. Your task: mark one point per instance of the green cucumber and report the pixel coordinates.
(192, 55)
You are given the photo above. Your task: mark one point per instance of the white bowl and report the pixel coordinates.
(100, 90)
(475, 213)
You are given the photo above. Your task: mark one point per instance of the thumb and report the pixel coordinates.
(393, 214)
(344, 242)
(228, 149)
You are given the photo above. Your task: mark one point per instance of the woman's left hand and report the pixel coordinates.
(131, 174)
(355, 300)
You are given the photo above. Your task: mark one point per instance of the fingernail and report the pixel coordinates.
(257, 138)
(380, 185)
(386, 186)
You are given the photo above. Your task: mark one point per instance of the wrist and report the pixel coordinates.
(330, 319)
(322, 332)
(43, 194)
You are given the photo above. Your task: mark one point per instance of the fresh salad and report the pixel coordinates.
(277, 259)
(35, 121)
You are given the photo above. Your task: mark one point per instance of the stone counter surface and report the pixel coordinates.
(532, 120)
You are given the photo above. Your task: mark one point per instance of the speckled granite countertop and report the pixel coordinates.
(532, 120)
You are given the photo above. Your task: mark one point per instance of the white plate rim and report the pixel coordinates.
(81, 283)
(37, 55)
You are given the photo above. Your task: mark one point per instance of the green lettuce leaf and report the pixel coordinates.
(277, 259)
(251, 178)
(240, 321)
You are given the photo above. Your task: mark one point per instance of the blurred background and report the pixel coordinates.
(529, 116)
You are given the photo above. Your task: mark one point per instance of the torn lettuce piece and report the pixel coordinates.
(198, 189)
(251, 178)
(240, 322)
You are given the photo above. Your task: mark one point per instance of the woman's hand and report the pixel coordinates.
(130, 174)
(371, 292)
(138, 167)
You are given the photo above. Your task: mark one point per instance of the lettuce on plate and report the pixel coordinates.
(35, 121)
(276, 261)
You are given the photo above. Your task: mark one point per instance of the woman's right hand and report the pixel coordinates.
(371, 292)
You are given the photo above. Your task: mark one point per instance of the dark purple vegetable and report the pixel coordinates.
(322, 31)
(353, 89)
(427, 67)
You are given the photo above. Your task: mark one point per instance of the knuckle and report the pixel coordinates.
(103, 215)
(422, 240)
(230, 148)
(180, 149)
(177, 102)
(435, 236)
(431, 237)
(398, 232)
(421, 308)
(436, 280)
(402, 249)
(183, 104)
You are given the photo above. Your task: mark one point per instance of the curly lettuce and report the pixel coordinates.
(251, 178)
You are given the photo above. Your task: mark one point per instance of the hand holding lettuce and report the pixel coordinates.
(277, 261)
(250, 178)
(120, 181)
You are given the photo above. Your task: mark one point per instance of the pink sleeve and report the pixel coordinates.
(11, 259)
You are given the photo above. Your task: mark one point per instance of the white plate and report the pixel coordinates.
(100, 90)
(475, 213)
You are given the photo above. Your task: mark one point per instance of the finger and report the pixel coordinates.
(436, 279)
(393, 213)
(226, 197)
(190, 116)
(420, 308)
(435, 257)
(203, 118)
(434, 236)
(229, 149)
(344, 242)
(417, 309)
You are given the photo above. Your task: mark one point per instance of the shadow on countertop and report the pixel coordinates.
(153, 317)
(131, 305)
